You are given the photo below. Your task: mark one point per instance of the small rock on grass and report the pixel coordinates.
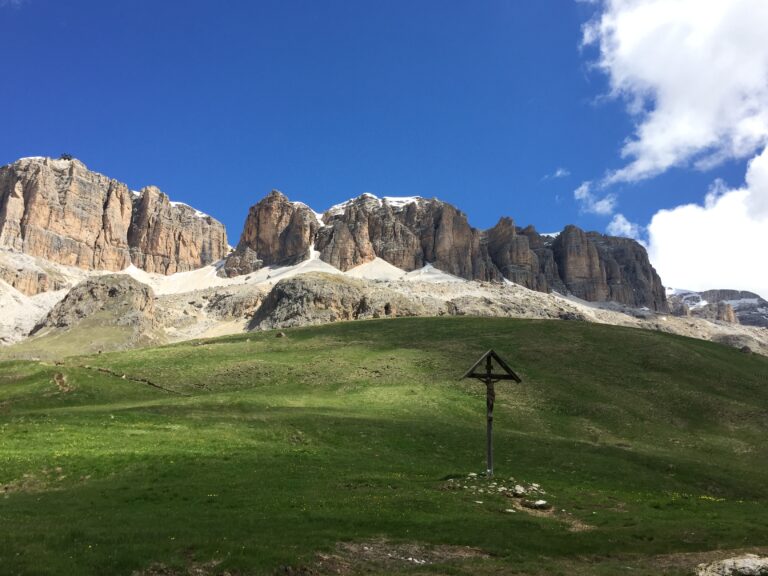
(537, 504)
(746, 565)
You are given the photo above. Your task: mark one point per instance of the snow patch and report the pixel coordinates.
(318, 216)
(431, 274)
(21, 313)
(742, 302)
(338, 209)
(377, 269)
(396, 202)
(402, 201)
(197, 212)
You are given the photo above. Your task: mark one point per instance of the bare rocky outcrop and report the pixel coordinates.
(747, 308)
(32, 281)
(511, 253)
(731, 306)
(111, 310)
(629, 276)
(578, 262)
(62, 212)
(346, 241)
(277, 232)
(243, 260)
(411, 233)
(407, 236)
(320, 298)
(745, 565)
(167, 237)
(725, 313)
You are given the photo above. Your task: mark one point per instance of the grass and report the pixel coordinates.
(260, 452)
(97, 332)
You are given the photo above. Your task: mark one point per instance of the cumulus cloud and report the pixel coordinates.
(693, 72)
(720, 244)
(620, 226)
(591, 203)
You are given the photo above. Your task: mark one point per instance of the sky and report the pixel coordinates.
(643, 118)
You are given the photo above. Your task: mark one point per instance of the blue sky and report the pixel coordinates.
(476, 103)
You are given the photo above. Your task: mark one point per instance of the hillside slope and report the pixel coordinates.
(347, 448)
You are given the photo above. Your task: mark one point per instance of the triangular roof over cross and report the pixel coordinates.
(508, 375)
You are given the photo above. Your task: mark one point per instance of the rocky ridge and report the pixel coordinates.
(731, 306)
(311, 292)
(62, 212)
(413, 232)
(365, 258)
(106, 312)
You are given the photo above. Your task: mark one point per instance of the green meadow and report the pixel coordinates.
(254, 454)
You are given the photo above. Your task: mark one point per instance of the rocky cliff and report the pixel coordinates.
(277, 232)
(61, 211)
(731, 306)
(410, 233)
(406, 235)
(168, 237)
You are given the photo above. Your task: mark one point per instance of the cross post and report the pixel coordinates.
(489, 378)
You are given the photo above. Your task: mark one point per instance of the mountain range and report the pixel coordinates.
(62, 224)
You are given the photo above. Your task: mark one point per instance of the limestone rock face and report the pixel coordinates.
(407, 236)
(725, 313)
(61, 211)
(749, 309)
(629, 276)
(410, 233)
(346, 242)
(31, 282)
(241, 261)
(448, 242)
(516, 259)
(277, 232)
(595, 267)
(168, 237)
(578, 262)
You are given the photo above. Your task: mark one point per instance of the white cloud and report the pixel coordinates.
(720, 244)
(591, 203)
(620, 226)
(693, 72)
(559, 173)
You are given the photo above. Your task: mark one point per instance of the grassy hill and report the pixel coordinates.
(347, 447)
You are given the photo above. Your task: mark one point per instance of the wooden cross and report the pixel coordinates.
(490, 393)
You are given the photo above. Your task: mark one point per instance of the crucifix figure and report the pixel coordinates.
(489, 378)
